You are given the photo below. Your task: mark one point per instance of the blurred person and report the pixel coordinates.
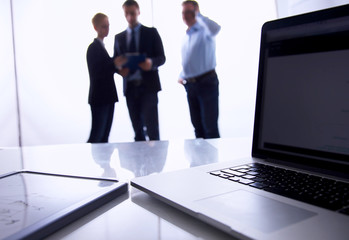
(198, 70)
(102, 93)
(141, 84)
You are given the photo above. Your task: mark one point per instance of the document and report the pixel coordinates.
(133, 59)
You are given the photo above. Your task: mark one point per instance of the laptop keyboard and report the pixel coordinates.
(322, 192)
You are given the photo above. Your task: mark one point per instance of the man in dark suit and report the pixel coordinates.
(142, 84)
(102, 93)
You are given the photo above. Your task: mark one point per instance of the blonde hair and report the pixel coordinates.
(98, 18)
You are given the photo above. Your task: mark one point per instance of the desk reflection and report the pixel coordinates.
(199, 152)
(143, 158)
(101, 154)
(121, 161)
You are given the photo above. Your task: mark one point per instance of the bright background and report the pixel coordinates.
(44, 79)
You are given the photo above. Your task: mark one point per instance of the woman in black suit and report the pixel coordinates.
(102, 93)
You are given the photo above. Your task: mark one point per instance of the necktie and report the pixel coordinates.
(132, 47)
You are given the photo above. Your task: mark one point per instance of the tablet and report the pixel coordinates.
(34, 205)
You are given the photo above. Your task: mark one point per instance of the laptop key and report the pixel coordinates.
(243, 170)
(245, 181)
(258, 185)
(216, 173)
(235, 173)
(224, 176)
(235, 179)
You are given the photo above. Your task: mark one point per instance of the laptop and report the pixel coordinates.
(295, 184)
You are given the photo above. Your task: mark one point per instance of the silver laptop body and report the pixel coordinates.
(301, 127)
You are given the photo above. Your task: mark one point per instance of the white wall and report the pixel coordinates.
(52, 37)
(287, 8)
(9, 134)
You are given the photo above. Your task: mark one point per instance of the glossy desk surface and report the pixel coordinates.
(134, 215)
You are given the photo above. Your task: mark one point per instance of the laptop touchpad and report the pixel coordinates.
(262, 213)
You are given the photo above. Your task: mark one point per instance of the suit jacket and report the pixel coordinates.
(150, 44)
(101, 69)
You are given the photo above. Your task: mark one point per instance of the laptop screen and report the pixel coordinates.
(302, 108)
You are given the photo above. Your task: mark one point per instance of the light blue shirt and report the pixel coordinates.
(199, 48)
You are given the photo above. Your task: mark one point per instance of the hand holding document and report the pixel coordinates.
(133, 61)
(120, 61)
(146, 65)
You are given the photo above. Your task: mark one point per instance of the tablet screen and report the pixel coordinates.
(30, 201)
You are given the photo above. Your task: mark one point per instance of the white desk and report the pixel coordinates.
(134, 215)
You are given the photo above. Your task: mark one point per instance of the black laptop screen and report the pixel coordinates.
(302, 104)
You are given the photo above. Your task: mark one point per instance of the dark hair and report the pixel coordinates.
(129, 3)
(193, 2)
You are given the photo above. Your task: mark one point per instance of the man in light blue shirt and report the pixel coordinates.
(198, 74)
